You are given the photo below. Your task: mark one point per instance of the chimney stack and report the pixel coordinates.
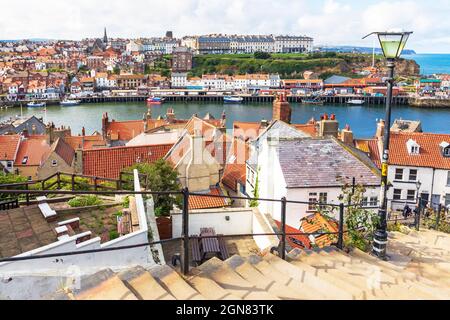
(281, 109)
(170, 115)
(347, 135)
(380, 129)
(328, 126)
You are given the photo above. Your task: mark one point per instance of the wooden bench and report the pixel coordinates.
(48, 213)
(195, 249)
(223, 248)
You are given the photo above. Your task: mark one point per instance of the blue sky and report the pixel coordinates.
(332, 22)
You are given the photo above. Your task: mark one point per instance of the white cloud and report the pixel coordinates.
(328, 21)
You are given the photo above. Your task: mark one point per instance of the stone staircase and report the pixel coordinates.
(419, 268)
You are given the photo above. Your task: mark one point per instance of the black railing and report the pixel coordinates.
(185, 236)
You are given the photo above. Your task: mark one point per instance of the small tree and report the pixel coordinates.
(254, 202)
(262, 55)
(360, 223)
(160, 177)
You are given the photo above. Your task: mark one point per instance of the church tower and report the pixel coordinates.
(105, 38)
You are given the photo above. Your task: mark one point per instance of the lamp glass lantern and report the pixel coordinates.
(392, 43)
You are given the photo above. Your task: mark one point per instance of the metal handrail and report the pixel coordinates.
(185, 237)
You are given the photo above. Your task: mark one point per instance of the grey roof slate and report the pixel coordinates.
(321, 163)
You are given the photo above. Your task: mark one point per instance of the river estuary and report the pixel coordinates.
(362, 119)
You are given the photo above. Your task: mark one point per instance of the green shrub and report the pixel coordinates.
(84, 201)
(126, 202)
(113, 234)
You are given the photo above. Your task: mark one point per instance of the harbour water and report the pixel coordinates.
(431, 63)
(362, 119)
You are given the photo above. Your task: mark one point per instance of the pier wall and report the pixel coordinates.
(341, 99)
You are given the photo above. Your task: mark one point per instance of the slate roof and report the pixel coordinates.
(321, 163)
(335, 80)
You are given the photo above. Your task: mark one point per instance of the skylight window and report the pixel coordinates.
(25, 160)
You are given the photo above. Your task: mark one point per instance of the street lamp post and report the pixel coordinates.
(392, 44)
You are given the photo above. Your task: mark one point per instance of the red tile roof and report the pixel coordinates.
(370, 147)
(9, 145)
(201, 202)
(33, 147)
(319, 223)
(235, 168)
(430, 150)
(109, 162)
(64, 150)
(309, 128)
(298, 241)
(86, 142)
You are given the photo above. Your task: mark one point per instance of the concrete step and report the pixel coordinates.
(252, 275)
(229, 280)
(304, 273)
(308, 292)
(174, 284)
(143, 285)
(103, 285)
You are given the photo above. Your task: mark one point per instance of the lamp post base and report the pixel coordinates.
(380, 244)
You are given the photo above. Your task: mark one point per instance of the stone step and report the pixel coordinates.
(271, 273)
(374, 284)
(210, 289)
(174, 284)
(143, 285)
(370, 289)
(420, 243)
(435, 288)
(229, 280)
(103, 285)
(327, 285)
(252, 275)
(389, 278)
(415, 277)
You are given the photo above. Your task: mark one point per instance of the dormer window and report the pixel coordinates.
(445, 147)
(413, 147)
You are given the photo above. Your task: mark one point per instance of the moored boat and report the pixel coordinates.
(70, 102)
(155, 100)
(35, 104)
(232, 99)
(356, 102)
(313, 101)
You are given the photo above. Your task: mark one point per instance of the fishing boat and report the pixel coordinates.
(232, 99)
(70, 102)
(35, 104)
(314, 101)
(155, 100)
(357, 102)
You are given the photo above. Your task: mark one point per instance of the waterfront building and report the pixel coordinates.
(178, 79)
(181, 59)
(130, 81)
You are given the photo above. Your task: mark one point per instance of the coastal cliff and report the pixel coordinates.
(293, 65)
